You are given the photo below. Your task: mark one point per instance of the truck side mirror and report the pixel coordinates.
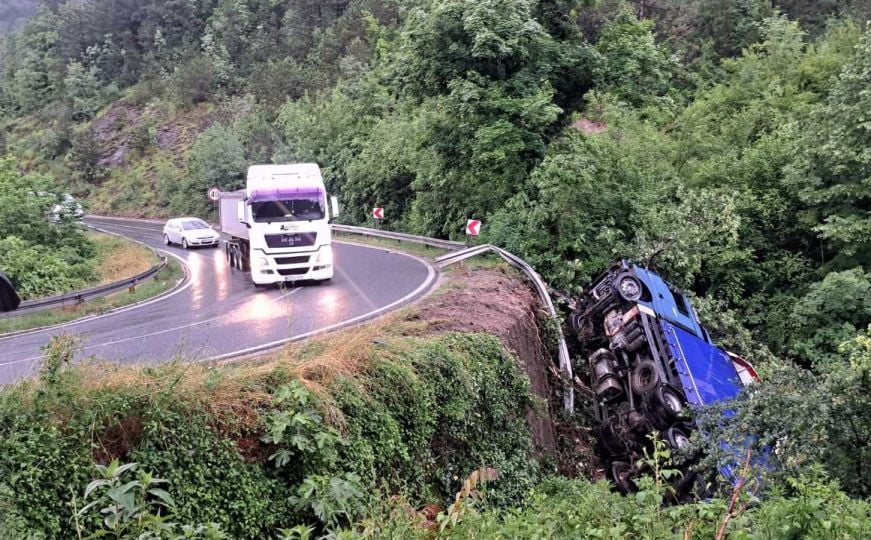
(334, 206)
(240, 213)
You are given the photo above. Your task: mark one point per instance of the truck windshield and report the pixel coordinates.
(300, 208)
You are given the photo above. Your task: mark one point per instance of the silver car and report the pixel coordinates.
(190, 232)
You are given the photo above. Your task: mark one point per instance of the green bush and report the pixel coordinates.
(422, 420)
(41, 258)
(211, 481)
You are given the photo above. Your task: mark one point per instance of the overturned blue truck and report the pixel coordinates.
(648, 358)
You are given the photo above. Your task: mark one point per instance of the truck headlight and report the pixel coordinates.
(324, 256)
(260, 261)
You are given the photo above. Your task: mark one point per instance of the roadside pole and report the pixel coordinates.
(377, 216)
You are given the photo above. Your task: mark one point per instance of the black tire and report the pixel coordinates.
(621, 475)
(184, 243)
(644, 377)
(628, 287)
(668, 406)
(166, 241)
(677, 438)
(671, 400)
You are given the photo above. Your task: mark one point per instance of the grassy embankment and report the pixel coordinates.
(116, 259)
(316, 434)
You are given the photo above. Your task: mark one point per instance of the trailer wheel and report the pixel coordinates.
(644, 377)
(621, 474)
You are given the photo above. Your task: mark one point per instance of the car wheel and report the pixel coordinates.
(166, 241)
(644, 377)
(184, 243)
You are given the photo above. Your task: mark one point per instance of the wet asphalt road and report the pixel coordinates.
(219, 312)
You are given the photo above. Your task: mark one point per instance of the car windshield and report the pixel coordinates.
(194, 224)
(296, 208)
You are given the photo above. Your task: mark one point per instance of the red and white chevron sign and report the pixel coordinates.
(378, 213)
(473, 227)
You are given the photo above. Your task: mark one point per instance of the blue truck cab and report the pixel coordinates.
(648, 357)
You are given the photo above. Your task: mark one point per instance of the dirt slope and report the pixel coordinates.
(497, 301)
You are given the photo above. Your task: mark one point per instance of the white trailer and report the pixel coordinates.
(279, 225)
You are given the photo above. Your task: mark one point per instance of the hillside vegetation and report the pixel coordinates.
(724, 141)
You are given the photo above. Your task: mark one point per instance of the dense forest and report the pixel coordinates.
(724, 141)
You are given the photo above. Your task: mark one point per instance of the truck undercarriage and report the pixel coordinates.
(647, 358)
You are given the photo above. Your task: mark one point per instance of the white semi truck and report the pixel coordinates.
(279, 224)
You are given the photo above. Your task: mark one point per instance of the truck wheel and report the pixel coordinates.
(677, 438)
(621, 474)
(670, 401)
(644, 377)
(628, 287)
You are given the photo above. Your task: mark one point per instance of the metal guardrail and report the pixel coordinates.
(79, 297)
(463, 253)
(402, 237)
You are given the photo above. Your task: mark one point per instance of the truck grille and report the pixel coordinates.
(291, 240)
(293, 271)
(292, 260)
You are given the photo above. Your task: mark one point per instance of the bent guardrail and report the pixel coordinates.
(462, 253)
(79, 297)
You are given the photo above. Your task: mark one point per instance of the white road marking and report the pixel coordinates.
(122, 309)
(150, 334)
(430, 277)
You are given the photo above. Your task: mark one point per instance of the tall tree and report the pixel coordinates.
(833, 172)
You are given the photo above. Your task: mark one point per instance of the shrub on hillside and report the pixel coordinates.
(255, 453)
(38, 256)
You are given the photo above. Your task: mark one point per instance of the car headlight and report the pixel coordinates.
(324, 256)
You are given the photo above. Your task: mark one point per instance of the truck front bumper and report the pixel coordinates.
(317, 266)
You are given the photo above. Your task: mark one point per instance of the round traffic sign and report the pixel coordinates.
(214, 194)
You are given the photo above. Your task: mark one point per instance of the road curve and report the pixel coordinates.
(219, 313)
